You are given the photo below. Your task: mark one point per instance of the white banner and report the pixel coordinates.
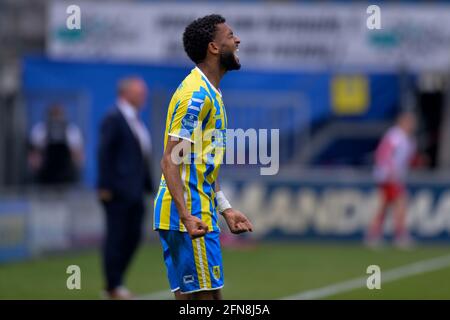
(330, 208)
(290, 36)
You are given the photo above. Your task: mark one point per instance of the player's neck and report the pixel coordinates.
(213, 72)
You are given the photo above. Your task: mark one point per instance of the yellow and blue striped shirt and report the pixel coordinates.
(196, 113)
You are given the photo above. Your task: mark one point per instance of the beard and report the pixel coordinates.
(229, 61)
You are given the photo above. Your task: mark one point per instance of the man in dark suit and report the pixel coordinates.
(124, 177)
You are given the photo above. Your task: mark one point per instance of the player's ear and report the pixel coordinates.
(213, 48)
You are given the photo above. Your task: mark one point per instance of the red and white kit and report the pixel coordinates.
(392, 162)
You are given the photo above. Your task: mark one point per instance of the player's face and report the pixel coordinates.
(409, 123)
(228, 45)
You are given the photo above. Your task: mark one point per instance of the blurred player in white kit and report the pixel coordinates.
(393, 159)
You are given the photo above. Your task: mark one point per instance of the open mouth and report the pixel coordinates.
(236, 55)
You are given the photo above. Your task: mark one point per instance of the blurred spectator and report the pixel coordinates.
(56, 154)
(393, 159)
(124, 177)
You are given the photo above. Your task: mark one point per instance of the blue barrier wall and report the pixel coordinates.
(91, 86)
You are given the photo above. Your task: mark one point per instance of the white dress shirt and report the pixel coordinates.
(137, 127)
(74, 137)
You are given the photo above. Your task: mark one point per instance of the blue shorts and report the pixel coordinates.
(192, 265)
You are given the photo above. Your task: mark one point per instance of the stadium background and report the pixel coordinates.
(313, 70)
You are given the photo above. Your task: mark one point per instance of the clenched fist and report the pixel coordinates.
(194, 226)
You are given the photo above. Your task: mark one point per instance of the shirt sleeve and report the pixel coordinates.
(38, 134)
(187, 116)
(74, 137)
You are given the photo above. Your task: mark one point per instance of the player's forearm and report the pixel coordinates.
(222, 202)
(174, 183)
(216, 186)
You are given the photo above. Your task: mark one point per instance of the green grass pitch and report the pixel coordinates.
(265, 271)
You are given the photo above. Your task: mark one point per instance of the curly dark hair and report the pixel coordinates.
(198, 34)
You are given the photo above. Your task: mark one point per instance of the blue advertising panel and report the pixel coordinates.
(13, 230)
